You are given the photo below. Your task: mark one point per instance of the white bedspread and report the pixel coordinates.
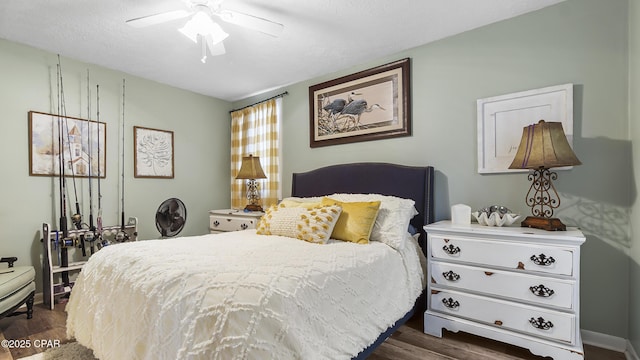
(239, 295)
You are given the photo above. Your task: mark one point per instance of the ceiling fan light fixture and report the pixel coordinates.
(201, 24)
(201, 28)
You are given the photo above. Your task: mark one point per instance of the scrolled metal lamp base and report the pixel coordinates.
(253, 196)
(543, 198)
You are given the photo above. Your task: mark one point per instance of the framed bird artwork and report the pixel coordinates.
(371, 104)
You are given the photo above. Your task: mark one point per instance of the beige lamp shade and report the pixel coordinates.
(544, 145)
(251, 168)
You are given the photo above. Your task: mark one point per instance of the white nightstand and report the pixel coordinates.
(512, 284)
(232, 220)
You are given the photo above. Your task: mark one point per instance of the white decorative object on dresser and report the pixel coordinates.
(232, 220)
(512, 284)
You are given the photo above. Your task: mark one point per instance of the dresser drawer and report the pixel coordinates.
(227, 223)
(539, 322)
(510, 255)
(519, 286)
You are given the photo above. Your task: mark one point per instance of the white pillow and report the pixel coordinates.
(392, 224)
(300, 201)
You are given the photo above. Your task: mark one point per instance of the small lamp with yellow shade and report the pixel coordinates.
(543, 146)
(251, 170)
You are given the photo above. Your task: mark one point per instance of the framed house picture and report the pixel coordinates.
(153, 153)
(369, 105)
(79, 145)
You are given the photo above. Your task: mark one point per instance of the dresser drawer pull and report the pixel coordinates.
(451, 249)
(542, 260)
(539, 323)
(450, 303)
(244, 226)
(216, 223)
(451, 276)
(541, 291)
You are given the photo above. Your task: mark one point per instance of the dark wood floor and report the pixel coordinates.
(408, 343)
(45, 325)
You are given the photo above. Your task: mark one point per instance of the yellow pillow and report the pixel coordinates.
(356, 220)
(313, 225)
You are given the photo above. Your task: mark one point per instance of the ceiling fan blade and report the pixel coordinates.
(251, 22)
(158, 18)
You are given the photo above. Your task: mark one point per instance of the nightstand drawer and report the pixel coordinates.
(222, 223)
(533, 289)
(509, 255)
(539, 322)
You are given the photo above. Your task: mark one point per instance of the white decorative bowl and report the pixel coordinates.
(495, 218)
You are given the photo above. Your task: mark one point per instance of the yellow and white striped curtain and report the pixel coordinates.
(255, 130)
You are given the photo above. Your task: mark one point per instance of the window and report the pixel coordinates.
(255, 130)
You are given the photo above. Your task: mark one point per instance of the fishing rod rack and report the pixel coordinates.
(53, 253)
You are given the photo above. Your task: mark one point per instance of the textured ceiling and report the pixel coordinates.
(319, 37)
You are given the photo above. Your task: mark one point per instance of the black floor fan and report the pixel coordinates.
(171, 217)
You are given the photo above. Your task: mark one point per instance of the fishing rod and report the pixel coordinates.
(63, 254)
(60, 189)
(75, 218)
(90, 236)
(122, 236)
(63, 205)
(101, 241)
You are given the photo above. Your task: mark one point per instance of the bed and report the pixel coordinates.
(244, 295)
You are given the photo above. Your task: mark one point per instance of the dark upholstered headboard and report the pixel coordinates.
(409, 182)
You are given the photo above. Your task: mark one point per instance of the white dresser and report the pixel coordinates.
(232, 220)
(512, 284)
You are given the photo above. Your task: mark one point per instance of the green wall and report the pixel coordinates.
(634, 116)
(201, 134)
(583, 42)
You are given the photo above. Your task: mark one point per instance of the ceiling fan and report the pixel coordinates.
(201, 26)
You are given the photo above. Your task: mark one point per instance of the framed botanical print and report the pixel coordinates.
(153, 153)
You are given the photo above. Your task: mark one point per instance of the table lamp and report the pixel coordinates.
(543, 146)
(251, 170)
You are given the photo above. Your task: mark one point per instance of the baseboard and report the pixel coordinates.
(631, 353)
(610, 342)
(38, 298)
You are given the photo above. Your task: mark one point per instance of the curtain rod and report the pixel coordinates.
(260, 102)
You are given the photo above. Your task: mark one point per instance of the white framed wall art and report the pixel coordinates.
(501, 119)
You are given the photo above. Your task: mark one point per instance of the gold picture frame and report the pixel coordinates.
(83, 143)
